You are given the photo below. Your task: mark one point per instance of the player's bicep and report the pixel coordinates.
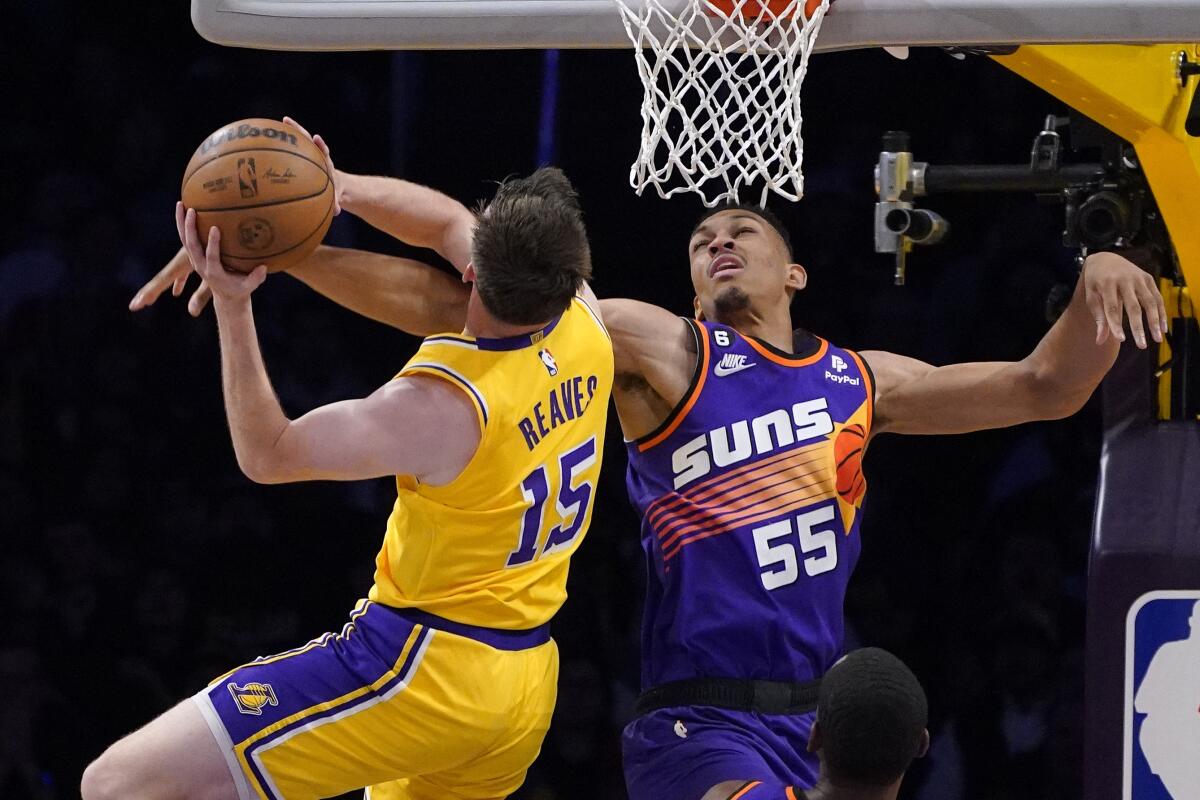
(650, 342)
(412, 426)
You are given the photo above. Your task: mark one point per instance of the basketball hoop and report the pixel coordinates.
(721, 112)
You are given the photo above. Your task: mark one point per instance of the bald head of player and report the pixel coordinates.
(871, 717)
(742, 265)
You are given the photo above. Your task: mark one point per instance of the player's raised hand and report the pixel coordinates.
(324, 148)
(175, 275)
(1115, 287)
(206, 260)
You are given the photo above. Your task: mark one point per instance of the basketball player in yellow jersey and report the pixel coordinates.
(441, 685)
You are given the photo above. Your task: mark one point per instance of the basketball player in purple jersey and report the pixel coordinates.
(744, 447)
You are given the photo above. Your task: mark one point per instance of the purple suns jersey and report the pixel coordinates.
(749, 494)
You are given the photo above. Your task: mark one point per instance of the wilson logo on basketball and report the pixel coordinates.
(245, 131)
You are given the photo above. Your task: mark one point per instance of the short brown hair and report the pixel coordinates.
(530, 248)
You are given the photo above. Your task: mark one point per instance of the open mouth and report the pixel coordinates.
(725, 263)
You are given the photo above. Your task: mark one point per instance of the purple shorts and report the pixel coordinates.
(681, 753)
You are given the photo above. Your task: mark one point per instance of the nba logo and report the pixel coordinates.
(548, 361)
(247, 177)
(1162, 697)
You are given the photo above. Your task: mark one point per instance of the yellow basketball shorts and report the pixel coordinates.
(414, 706)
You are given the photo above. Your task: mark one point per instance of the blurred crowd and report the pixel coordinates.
(136, 562)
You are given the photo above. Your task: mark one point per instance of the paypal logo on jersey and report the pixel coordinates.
(839, 366)
(730, 444)
(1162, 697)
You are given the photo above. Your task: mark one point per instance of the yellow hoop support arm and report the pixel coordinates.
(1134, 91)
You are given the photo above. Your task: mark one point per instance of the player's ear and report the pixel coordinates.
(814, 737)
(699, 311)
(797, 277)
(469, 273)
(922, 748)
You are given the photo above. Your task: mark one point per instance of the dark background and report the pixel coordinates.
(136, 562)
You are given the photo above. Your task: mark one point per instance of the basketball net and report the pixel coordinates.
(721, 111)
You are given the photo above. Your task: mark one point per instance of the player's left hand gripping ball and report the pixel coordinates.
(206, 260)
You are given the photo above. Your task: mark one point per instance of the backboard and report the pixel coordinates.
(489, 24)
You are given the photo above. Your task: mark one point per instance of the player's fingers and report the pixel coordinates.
(297, 126)
(258, 276)
(177, 286)
(180, 215)
(212, 252)
(1095, 306)
(1133, 310)
(1150, 299)
(154, 287)
(199, 299)
(191, 242)
(329, 162)
(1113, 313)
(1160, 304)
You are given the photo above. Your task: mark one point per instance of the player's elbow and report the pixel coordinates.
(1050, 397)
(263, 468)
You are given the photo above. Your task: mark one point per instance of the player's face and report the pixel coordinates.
(739, 262)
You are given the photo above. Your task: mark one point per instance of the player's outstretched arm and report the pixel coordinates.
(416, 426)
(412, 213)
(410, 295)
(1054, 381)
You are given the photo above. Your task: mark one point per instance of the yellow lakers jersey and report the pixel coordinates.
(491, 547)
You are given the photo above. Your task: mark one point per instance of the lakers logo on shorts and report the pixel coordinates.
(251, 698)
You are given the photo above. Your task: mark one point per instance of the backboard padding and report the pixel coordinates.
(502, 24)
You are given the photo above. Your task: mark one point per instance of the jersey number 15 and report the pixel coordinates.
(573, 501)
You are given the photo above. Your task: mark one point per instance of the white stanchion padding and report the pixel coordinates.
(721, 112)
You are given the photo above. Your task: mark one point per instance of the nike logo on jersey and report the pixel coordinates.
(731, 363)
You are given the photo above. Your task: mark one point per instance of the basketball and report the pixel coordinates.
(264, 184)
(847, 452)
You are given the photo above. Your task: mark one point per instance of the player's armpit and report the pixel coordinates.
(651, 342)
(655, 359)
(918, 398)
(417, 426)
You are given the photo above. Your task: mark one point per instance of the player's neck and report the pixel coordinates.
(482, 324)
(774, 328)
(828, 790)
